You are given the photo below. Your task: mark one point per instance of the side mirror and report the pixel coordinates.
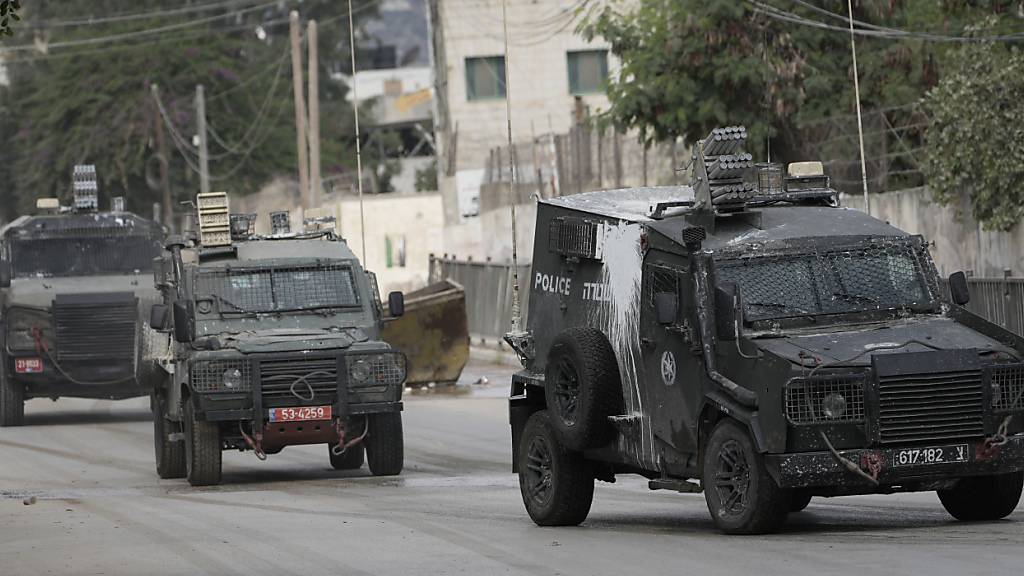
(158, 317)
(5, 274)
(396, 304)
(666, 308)
(728, 310)
(184, 323)
(959, 292)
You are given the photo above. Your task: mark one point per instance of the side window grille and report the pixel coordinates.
(575, 237)
(663, 280)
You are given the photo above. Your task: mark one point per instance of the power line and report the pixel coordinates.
(129, 17)
(138, 33)
(872, 30)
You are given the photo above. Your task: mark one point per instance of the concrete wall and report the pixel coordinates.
(960, 242)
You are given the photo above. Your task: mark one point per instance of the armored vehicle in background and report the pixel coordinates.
(748, 338)
(276, 343)
(73, 284)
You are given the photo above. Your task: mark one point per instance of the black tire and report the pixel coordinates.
(741, 496)
(351, 459)
(582, 388)
(983, 497)
(170, 456)
(12, 397)
(385, 445)
(800, 501)
(556, 483)
(202, 449)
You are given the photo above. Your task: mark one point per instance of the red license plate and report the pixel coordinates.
(300, 414)
(28, 365)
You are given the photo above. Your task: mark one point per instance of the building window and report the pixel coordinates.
(588, 71)
(485, 78)
(394, 251)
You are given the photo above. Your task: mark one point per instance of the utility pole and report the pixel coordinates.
(860, 123)
(204, 155)
(314, 117)
(161, 151)
(300, 109)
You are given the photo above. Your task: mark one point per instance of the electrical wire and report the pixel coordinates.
(137, 33)
(128, 17)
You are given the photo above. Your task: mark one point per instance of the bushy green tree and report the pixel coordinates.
(8, 15)
(976, 138)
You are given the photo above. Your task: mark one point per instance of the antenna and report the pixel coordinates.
(516, 311)
(359, 148)
(860, 124)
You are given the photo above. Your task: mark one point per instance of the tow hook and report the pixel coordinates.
(255, 444)
(990, 447)
(342, 445)
(871, 464)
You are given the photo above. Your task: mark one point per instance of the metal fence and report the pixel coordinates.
(488, 287)
(1000, 300)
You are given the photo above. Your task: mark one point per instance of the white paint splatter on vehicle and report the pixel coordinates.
(622, 272)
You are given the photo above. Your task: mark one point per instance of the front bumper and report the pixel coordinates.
(822, 470)
(101, 381)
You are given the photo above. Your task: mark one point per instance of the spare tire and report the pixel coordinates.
(582, 388)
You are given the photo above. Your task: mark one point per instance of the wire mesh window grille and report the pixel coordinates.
(663, 281)
(881, 274)
(1007, 388)
(807, 399)
(574, 237)
(279, 290)
(86, 256)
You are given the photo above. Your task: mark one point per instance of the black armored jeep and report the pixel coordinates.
(749, 338)
(74, 283)
(277, 343)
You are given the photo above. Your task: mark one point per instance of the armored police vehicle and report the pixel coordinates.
(73, 284)
(276, 343)
(748, 338)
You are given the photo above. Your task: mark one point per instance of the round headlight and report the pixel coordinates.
(232, 378)
(833, 406)
(361, 371)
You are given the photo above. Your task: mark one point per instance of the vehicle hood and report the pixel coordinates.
(40, 292)
(290, 340)
(836, 344)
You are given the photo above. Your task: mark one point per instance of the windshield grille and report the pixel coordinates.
(882, 274)
(280, 289)
(87, 256)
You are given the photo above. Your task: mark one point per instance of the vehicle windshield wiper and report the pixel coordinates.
(777, 305)
(856, 297)
(234, 307)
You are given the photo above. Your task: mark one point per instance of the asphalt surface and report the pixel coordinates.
(99, 508)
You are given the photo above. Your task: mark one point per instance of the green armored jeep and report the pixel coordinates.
(276, 343)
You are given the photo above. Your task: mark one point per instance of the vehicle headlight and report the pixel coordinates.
(24, 324)
(386, 368)
(232, 379)
(361, 371)
(833, 406)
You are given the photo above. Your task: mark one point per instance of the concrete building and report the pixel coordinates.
(552, 71)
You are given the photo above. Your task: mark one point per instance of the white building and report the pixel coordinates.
(550, 66)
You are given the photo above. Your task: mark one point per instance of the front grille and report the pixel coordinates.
(1007, 388)
(805, 398)
(920, 407)
(96, 327)
(300, 378)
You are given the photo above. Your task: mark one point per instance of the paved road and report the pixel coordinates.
(100, 509)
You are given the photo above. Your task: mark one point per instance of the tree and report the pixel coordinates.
(975, 145)
(691, 65)
(92, 103)
(8, 13)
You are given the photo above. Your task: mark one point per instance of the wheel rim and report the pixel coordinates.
(539, 471)
(732, 479)
(567, 391)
